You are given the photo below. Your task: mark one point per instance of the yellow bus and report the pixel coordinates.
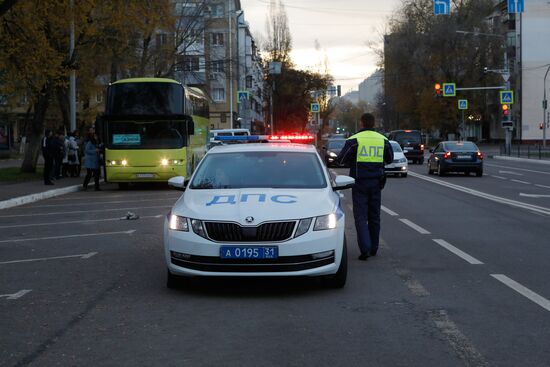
(153, 129)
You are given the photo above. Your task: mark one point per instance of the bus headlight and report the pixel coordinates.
(164, 162)
(124, 162)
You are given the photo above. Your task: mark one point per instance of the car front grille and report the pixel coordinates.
(233, 232)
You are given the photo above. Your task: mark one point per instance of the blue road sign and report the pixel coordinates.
(506, 97)
(315, 107)
(449, 89)
(515, 6)
(242, 96)
(462, 104)
(442, 7)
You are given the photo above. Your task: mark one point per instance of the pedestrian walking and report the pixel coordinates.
(59, 147)
(65, 162)
(48, 154)
(367, 152)
(91, 162)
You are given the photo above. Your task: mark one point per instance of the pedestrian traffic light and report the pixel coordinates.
(541, 126)
(505, 111)
(437, 90)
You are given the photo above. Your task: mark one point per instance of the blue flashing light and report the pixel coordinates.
(238, 138)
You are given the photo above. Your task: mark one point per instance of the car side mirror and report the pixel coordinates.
(343, 183)
(178, 183)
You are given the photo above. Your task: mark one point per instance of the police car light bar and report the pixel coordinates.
(241, 138)
(292, 137)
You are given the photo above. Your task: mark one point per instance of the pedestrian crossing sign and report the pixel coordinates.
(242, 96)
(462, 104)
(449, 89)
(507, 97)
(315, 107)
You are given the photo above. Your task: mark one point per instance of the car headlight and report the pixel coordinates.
(332, 154)
(178, 223)
(198, 227)
(325, 222)
(303, 227)
(403, 160)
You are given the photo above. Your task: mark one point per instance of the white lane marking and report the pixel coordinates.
(100, 203)
(498, 199)
(82, 256)
(414, 226)
(16, 295)
(462, 346)
(499, 177)
(389, 211)
(533, 195)
(458, 252)
(67, 236)
(518, 169)
(526, 292)
(522, 182)
(85, 211)
(543, 186)
(76, 222)
(511, 173)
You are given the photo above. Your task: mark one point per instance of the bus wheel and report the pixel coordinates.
(123, 185)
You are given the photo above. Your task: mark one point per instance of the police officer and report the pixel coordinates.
(367, 152)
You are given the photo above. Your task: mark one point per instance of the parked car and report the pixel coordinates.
(400, 165)
(455, 156)
(331, 149)
(411, 143)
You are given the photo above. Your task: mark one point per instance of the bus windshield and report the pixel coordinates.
(145, 99)
(146, 135)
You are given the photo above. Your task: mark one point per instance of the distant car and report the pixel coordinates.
(400, 165)
(455, 156)
(258, 210)
(331, 150)
(411, 143)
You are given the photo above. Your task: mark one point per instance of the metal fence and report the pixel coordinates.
(526, 151)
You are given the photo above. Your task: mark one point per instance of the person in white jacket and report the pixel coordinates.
(72, 156)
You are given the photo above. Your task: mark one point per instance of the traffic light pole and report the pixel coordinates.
(544, 108)
(508, 129)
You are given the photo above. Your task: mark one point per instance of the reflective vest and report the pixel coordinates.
(370, 148)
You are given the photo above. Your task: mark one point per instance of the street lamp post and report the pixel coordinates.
(72, 78)
(544, 108)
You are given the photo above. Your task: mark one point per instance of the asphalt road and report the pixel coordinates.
(461, 280)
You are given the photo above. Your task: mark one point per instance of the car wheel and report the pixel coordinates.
(173, 281)
(338, 280)
(440, 171)
(479, 173)
(123, 185)
(430, 170)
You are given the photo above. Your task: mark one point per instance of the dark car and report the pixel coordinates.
(455, 156)
(331, 149)
(411, 143)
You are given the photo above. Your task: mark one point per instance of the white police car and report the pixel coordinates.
(258, 210)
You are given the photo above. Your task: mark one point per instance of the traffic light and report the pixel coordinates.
(505, 111)
(437, 90)
(541, 126)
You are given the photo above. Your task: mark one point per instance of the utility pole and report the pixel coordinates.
(72, 78)
(507, 80)
(229, 34)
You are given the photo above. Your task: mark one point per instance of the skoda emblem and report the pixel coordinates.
(249, 219)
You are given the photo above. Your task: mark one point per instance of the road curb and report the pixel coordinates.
(27, 199)
(526, 160)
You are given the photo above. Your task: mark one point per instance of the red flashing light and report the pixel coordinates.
(300, 138)
(408, 131)
(447, 155)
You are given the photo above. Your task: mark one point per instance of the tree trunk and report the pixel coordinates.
(63, 101)
(35, 130)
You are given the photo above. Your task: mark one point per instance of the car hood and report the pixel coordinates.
(236, 205)
(398, 155)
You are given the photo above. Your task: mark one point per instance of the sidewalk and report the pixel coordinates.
(14, 194)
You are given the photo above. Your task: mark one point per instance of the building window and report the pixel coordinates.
(249, 81)
(217, 11)
(218, 94)
(218, 66)
(217, 39)
(189, 63)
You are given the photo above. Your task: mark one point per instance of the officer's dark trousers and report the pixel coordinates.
(48, 169)
(367, 197)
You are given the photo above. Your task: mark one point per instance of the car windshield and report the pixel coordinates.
(396, 148)
(466, 146)
(336, 144)
(298, 170)
(148, 135)
(408, 137)
(145, 99)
